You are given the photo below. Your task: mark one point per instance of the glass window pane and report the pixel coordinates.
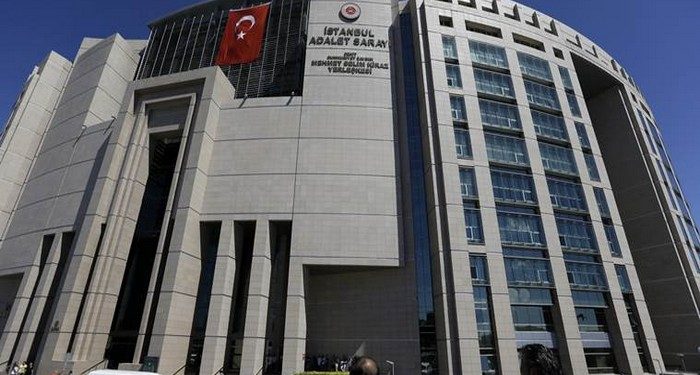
(488, 54)
(588, 298)
(558, 159)
(513, 187)
(462, 143)
(532, 318)
(592, 168)
(573, 104)
(530, 296)
(541, 95)
(459, 109)
(494, 83)
(582, 135)
(623, 278)
(468, 183)
(474, 230)
(566, 195)
(602, 202)
(449, 47)
(454, 78)
(479, 270)
(498, 114)
(520, 228)
(586, 275)
(566, 78)
(591, 319)
(613, 243)
(506, 149)
(575, 233)
(534, 67)
(525, 271)
(550, 126)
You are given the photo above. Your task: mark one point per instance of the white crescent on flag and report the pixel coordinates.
(241, 33)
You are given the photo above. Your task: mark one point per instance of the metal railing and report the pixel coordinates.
(94, 367)
(180, 369)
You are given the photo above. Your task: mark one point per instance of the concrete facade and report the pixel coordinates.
(109, 184)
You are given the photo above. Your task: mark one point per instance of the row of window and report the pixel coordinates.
(673, 189)
(542, 94)
(484, 313)
(532, 302)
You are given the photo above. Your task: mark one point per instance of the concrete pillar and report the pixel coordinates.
(170, 337)
(39, 303)
(258, 298)
(295, 320)
(220, 304)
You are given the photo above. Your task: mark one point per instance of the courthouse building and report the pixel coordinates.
(258, 186)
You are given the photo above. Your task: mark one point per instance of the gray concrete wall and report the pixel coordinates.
(665, 274)
(25, 129)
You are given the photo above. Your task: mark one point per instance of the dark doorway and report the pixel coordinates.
(163, 152)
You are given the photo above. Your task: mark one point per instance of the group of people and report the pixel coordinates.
(327, 362)
(535, 359)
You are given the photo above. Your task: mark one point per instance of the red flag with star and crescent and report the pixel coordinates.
(243, 36)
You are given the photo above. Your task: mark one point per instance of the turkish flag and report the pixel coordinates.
(243, 36)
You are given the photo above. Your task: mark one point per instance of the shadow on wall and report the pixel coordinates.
(348, 315)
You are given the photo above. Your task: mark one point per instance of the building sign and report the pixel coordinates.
(349, 37)
(350, 12)
(352, 63)
(361, 42)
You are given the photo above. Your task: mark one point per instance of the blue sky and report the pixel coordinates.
(656, 41)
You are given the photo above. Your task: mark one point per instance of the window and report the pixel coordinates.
(493, 83)
(558, 53)
(454, 77)
(591, 319)
(468, 183)
(479, 270)
(449, 47)
(613, 243)
(582, 135)
(472, 218)
(575, 233)
(602, 202)
(484, 312)
(504, 149)
(589, 298)
(566, 78)
(483, 29)
(499, 114)
(566, 195)
(483, 317)
(600, 361)
(592, 169)
(520, 227)
(573, 104)
(459, 109)
(585, 275)
(558, 159)
(511, 186)
(527, 272)
(541, 95)
(549, 126)
(532, 43)
(531, 309)
(488, 54)
(462, 143)
(623, 279)
(489, 364)
(445, 21)
(534, 67)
